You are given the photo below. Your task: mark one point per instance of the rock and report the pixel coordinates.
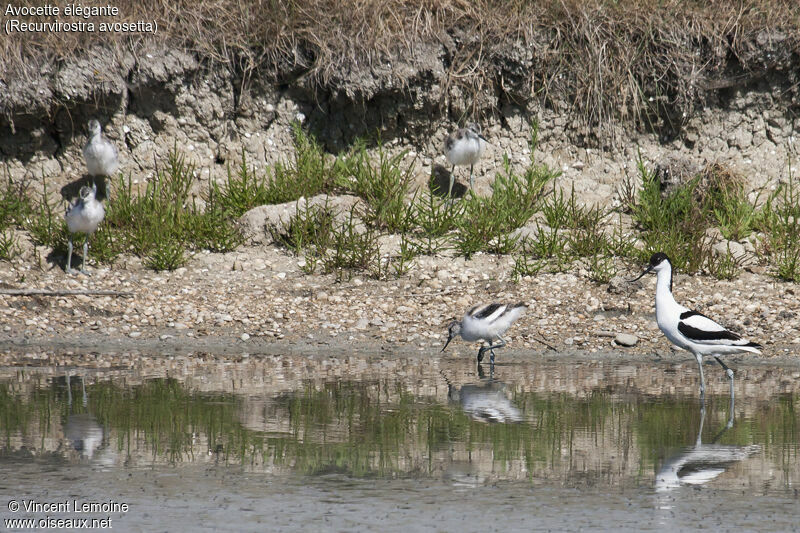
(260, 223)
(626, 339)
(245, 337)
(362, 324)
(734, 248)
(620, 285)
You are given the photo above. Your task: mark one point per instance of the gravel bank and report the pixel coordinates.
(258, 300)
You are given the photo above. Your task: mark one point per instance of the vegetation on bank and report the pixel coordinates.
(527, 217)
(648, 61)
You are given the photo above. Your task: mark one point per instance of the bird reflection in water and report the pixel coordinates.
(701, 463)
(82, 431)
(484, 401)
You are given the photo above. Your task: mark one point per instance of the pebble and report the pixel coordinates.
(245, 337)
(626, 339)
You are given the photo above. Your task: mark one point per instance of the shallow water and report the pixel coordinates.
(292, 443)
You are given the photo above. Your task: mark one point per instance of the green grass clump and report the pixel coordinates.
(675, 223)
(487, 223)
(310, 228)
(15, 208)
(161, 224)
(779, 219)
(341, 247)
(434, 218)
(308, 173)
(46, 223)
(383, 184)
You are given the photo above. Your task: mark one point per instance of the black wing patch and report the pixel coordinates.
(702, 335)
(687, 314)
(487, 311)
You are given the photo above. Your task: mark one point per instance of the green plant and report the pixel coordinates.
(351, 248)
(724, 266)
(779, 219)
(46, 226)
(15, 205)
(674, 223)
(161, 223)
(384, 186)
(601, 267)
(487, 223)
(166, 254)
(434, 218)
(243, 190)
(9, 247)
(309, 173)
(525, 266)
(724, 198)
(311, 227)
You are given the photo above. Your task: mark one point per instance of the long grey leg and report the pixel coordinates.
(83, 390)
(702, 378)
(452, 180)
(471, 183)
(69, 392)
(85, 254)
(699, 440)
(728, 371)
(491, 348)
(69, 255)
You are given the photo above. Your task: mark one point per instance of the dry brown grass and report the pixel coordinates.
(644, 60)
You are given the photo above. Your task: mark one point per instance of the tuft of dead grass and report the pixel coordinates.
(648, 61)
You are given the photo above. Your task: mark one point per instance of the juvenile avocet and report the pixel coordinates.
(464, 147)
(83, 217)
(101, 155)
(689, 329)
(486, 322)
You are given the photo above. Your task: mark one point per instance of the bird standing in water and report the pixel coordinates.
(486, 322)
(689, 329)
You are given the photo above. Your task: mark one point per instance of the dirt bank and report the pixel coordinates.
(699, 86)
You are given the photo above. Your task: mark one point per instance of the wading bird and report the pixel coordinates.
(486, 322)
(689, 329)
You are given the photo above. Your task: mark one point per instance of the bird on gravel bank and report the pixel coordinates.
(102, 158)
(83, 217)
(464, 147)
(486, 322)
(689, 329)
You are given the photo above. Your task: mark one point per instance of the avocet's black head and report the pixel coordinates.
(453, 331)
(658, 261)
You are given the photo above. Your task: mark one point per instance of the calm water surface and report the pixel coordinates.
(292, 443)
